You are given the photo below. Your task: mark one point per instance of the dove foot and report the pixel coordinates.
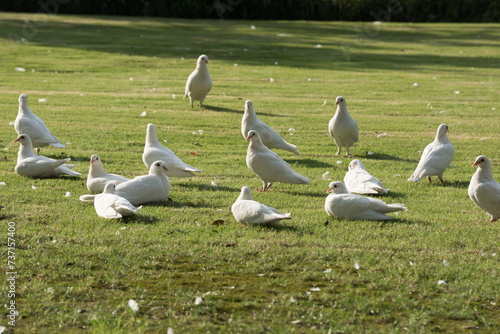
(494, 219)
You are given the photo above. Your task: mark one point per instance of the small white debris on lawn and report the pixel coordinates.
(356, 266)
(324, 176)
(20, 69)
(170, 330)
(339, 162)
(411, 263)
(235, 64)
(11, 123)
(483, 138)
(133, 305)
(441, 282)
(198, 301)
(42, 100)
(318, 46)
(329, 270)
(323, 103)
(143, 114)
(275, 63)
(415, 84)
(252, 27)
(68, 194)
(33, 187)
(370, 153)
(131, 78)
(382, 134)
(446, 263)
(3, 183)
(271, 79)
(308, 79)
(54, 241)
(457, 92)
(50, 290)
(293, 300)
(213, 183)
(315, 289)
(173, 96)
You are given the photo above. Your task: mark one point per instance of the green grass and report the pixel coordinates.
(77, 271)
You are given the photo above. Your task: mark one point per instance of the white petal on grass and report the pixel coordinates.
(124, 227)
(117, 233)
(50, 290)
(143, 114)
(457, 92)
(315, 289)
(170, 330)
(382, 134)
(197, 223)
(133, 305)
(415, 84)
(261, 275)
(318, 46)
(3, 183)
(356, 266)
(291, 129)
(200, 132)
(68, 194)
(213, 183)
(42, 100)
(54, 241)
(339, 162)
(198, 301)
(324, 176)
(323, 103)
(370, 153)
(484, 138)
(33, 187)
(20, 69)
(411, 263)
(329, 270)
(446, 263)
(293, 300)
(441, 282)
(308, 293)
(11, 123)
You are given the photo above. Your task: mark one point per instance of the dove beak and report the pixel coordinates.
(336, 103)
(165, 168)
(15, 141)
(248, 138)
(474, 164)
(329, 190)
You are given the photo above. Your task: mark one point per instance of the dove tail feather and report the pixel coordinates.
(397, 207)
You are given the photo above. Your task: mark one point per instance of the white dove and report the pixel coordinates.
(30, 124)
(436, 157)
(484, 191)
(150, 188)
(98, 178)
(358, 180)
(247, 211)
(342, 204)
(269, 137)
(342, 127)
(154, 151)
(268, 166)
(110, 205)
(30, 164)
(199, 82)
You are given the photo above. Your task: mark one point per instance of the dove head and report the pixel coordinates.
(158, 166)
(340, 101)
(23, 140)
(356, 164)
(481, 162)
(109, 188)
(248, 104)
(94, 158)
(23, 98)
(202, 60)
(253, 136)
(246, 194)
(337, 187)
(151, 137)
(442, 130)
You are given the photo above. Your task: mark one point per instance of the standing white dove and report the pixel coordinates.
(30, 164)
(342, 127)
(484, 191)
(436, 157)
(199, 82)
(247, 211)
(341, 204)
(268, 166)
(154, 151)
(30, 124)
(110, 205)
(98, 178)
(358, 180)
(269, 137)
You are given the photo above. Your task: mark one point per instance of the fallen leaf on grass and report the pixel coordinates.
(218, 222)
(229, 244)
(196, 143)
(297, 322)
(195, 153)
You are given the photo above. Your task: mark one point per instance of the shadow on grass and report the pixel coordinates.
(383, 156)
(220, 109)
(205, 187)
(309, 163)
(278, 227)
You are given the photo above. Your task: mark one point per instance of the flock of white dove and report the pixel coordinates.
(118, 196)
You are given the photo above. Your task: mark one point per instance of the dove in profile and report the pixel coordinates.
(30, 164)
(342, 204)
(110, 205)
(154, 151)
(199, 82)
(30, 124)
(268, 166)
(436, 157)
(269, 137)
(247, 211)
(484, 191)
(342, 127)
(358, 180)
(150, 188)
(98, 178)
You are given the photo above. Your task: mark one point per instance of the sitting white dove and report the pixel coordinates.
(98, 178)
(436, 157)
(268, 166)
(199, 82)
(342, 127)
(150, 188)
(358, 180)
(247, 211)
(269, 137)
(342, 204)
(30, 124)
(30, 164)
(154, 151)
(484, 191)
(110, 205)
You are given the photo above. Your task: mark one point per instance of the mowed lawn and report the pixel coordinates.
(435, 268)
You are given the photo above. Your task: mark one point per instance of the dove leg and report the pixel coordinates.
(429, 178)
(38, 150)
(264, 187)
(440, 177)
(191, 101)
(493, 219)
(338, 151)
(268, 186)
(201, 102)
